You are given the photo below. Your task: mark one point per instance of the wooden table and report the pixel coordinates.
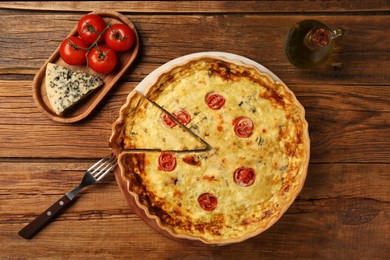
(343, 211)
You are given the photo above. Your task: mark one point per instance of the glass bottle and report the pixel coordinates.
(310, 43)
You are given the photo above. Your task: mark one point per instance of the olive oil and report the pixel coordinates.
(310, 43)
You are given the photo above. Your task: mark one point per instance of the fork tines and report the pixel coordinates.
(103, 166)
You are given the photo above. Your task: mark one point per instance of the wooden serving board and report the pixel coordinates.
(89, 103)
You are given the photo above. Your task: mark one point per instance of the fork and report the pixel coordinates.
(93, 175)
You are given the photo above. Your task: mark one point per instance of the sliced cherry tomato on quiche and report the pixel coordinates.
(243, 126)
(182, 115)
(73, 50)
(167, 162)
(167, 120)
(102, 59)
(119, 37)
(207, 201)
(244, 176)
(192, 160)
(90, 27)
(215, 101)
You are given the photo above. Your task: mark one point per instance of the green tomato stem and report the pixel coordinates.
(95, 43)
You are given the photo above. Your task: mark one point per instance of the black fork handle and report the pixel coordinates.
(42, 220)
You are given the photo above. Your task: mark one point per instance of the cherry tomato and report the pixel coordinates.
(167, 120)
(208, 201)
(243, 126)
(73, 50)
(119, 37)
(183, 116)
(244, 176)
(102, 59)
(90, 27)
(215, 101)
(167, 162)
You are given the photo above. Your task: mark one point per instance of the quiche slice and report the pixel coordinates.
(145, 126)
(66, 87)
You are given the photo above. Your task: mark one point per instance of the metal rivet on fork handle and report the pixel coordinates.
(94, 174)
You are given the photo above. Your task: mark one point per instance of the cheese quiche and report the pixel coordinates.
(145, 126)
(255, 167)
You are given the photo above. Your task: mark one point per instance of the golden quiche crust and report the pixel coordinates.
(254, 171)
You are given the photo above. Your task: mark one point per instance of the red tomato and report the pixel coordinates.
(167, 120)
(243, 126)
(167, 162)
(90, 27)
(119, 37)
(183, 116)
(192, 160)
(102, 59)
(215, 101)
(73, 50)
(244, 176)
(208, 201)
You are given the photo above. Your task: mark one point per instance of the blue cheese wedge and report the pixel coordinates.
(66, 87)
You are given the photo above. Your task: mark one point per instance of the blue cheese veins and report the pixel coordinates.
(65, 87)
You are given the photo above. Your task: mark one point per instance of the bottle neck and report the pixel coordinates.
(317, 38)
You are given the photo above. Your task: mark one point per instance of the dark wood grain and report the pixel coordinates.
(361, 56)
(342, 133)
(344, 207)
(169, 7)
(337, 204)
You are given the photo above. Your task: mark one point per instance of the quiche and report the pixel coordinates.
(251, 171)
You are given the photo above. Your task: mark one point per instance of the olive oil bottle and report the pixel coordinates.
(310, 43)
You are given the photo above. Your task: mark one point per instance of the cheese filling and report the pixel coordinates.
(276, 150)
